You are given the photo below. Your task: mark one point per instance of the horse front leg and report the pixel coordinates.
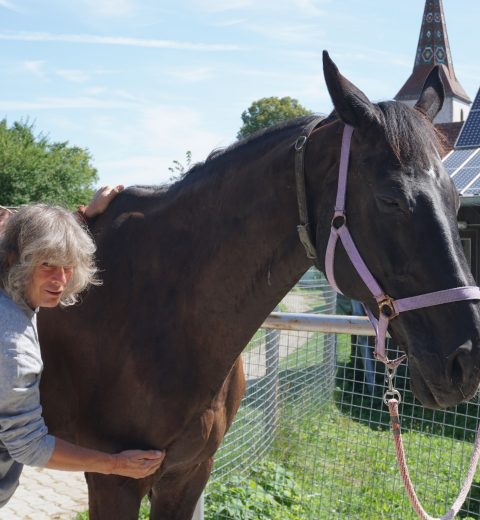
(174, 497)
(112, 496)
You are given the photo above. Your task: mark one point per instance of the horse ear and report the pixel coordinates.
(432, 96)
(351, 104)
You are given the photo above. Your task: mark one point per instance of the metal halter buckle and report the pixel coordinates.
(300, 142)
(386, 308)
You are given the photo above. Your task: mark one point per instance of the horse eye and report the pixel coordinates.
(389, 203)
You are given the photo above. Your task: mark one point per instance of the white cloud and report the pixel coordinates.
(136, 169)
(111, 8)
(116, 40)
(159, 135)
(35, 67)
(230, 23)
(73, 75)
(214, 6)
(52, 103)
(179, 128)
(303, 7)
(190, 74)
(9, 5)
(288, 32)
(95, 91)
(309, 7)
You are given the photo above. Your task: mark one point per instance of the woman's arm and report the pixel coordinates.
(131, 463)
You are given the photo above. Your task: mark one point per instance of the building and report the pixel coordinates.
(459, 121)
(433, 49)
(463, 165)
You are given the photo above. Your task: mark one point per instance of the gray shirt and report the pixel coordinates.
(24, 437)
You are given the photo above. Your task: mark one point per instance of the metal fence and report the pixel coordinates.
(312, 438)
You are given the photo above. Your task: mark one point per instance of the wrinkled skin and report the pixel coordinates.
(150, 359)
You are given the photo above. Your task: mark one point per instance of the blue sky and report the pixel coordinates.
(140, 82)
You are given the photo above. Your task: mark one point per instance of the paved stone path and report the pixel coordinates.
(45, 494)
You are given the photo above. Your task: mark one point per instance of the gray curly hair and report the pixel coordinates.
(41, 233)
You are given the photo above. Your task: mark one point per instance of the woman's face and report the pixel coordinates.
(47, 285)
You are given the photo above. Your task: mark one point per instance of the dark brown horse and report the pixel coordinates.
(151, 358)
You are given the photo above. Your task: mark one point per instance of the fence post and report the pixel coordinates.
(198, 514)
(272, 360)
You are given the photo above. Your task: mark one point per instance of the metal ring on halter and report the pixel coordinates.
(392, 394)
(300, 142)
(387, 308)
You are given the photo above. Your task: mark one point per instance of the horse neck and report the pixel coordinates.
(246, 256)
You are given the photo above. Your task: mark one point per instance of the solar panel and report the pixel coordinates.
(464, 177)
(476, 102)
(474, 161)
(473, 190)
(456, 159)
(470, 134)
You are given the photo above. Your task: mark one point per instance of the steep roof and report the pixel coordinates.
(450, 133)
(433, 49)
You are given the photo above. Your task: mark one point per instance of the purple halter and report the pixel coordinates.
(388, 308)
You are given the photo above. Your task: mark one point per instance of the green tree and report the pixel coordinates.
(269, 111)
(32, 169)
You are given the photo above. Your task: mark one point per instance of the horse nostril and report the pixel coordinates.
(459, 363)
(456, 371)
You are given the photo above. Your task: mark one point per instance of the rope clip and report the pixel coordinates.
(391, 392)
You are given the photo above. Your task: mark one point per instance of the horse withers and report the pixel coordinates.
(152, 358)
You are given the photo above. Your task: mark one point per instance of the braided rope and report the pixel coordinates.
(400, 452)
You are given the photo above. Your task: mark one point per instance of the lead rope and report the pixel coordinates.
(392, 399)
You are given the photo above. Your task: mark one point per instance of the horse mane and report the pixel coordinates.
(284, 130)
(408, 131)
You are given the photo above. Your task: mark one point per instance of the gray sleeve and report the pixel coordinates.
(22, 428)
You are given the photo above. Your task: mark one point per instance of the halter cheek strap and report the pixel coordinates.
(388, 308)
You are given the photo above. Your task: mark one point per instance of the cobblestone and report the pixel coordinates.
(45, 494)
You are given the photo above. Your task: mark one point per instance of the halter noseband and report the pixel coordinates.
(388, 308)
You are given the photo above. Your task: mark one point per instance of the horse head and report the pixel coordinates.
(401, 209)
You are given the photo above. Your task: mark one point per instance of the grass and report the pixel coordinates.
(347, 469)
(340, 455)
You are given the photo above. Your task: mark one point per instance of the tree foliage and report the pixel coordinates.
(32, 169)
(269, 111)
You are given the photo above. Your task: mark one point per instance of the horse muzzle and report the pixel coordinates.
(444, 382)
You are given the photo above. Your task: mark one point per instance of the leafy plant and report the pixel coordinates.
(270, 491)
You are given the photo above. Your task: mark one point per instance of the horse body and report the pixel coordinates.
(189, 276)
(151, 358)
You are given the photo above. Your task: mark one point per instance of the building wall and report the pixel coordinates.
(469, 223)
(453, 110)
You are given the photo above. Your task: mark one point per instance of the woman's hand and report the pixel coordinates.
(101, 200)
(5, 214)
(137, 463)
(131, 463)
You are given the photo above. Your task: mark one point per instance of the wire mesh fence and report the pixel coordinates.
(312, 438)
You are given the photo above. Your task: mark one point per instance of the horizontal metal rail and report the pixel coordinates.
(358, 325)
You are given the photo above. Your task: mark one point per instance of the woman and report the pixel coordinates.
(46, 259)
